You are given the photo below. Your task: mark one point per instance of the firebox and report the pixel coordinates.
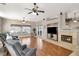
(66, 38)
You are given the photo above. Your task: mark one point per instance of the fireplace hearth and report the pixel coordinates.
(66, 38)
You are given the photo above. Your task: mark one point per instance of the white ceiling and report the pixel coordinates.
(16, 10)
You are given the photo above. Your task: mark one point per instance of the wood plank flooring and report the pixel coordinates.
(45, 48)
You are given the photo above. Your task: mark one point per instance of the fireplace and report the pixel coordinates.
(66, 38)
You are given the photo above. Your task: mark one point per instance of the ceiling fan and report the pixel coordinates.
(35, 10)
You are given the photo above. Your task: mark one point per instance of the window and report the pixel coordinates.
(20, 29)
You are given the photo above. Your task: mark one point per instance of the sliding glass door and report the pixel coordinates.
(40, 30)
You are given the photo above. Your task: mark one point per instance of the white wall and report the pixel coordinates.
(63, 29)
(78, 36)
(67, 30)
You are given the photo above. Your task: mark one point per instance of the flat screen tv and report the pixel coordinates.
(52, 30)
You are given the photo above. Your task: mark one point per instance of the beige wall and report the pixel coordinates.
(7, 24)
(0, 25)
(1, 22)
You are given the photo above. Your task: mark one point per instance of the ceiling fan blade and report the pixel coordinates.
(29, 12)
(40, 11)
(28, 9)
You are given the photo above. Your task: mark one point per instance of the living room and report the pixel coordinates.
(44, 30)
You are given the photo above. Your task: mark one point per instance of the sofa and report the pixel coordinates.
(20, 50)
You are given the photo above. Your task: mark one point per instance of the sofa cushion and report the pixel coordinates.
(25, 50)
(3, 36)
(29, 51)
(17, 53)
(15, 37)
(24, 47)
(20, 48)
(17, 45)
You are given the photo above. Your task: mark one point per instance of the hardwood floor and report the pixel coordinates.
(45, 48)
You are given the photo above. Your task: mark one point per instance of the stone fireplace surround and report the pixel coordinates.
(65, 43)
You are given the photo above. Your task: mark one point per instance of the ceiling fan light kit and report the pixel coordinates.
(33, 13)
(35, 10)
(75, 21)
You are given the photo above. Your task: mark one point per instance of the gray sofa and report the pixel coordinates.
(20, 50)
